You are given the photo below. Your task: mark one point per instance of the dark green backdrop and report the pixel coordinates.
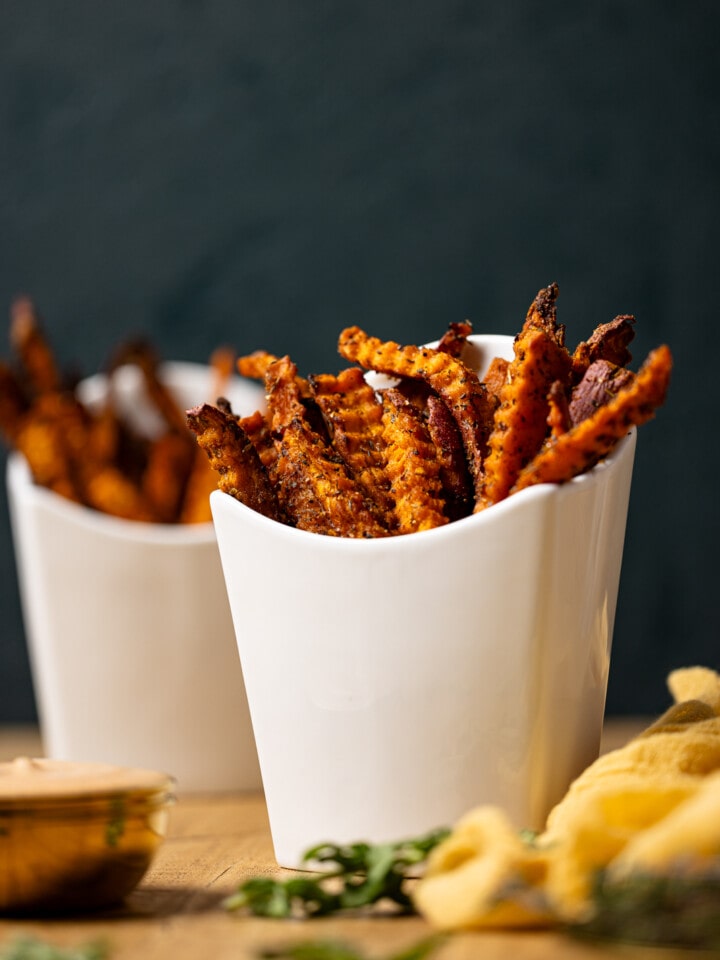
(266, 173)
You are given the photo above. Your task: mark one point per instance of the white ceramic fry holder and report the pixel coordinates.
(129, 631)
(395, 683)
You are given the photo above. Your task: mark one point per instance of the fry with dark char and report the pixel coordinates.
(314, 486)
(412, 466)
(608, 342)
(454, 339)
(601, 382)
(354, 418)
(234, 458)
(594, 437)
(455, 383)
(454, 474)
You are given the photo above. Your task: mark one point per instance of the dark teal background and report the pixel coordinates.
(264, 174)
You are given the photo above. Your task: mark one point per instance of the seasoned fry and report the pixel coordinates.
(608, 342)
(40, 440)
(106, 489)
(222, 364)
(458, 386)
(454, 339)
(454, 475)
(558, 418)
(314, 485)
(144, 357)
(170, 460)
(542, 315)
(235, 459)
(354, 418)
(521, 419)
(412, 466)
(601, 382)
(13, 403)
(495, 379)
(32, 349)
(594, 437)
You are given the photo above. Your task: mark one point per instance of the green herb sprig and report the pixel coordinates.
(674, 909)
(332, 950)
(360, 874)
(30, 948)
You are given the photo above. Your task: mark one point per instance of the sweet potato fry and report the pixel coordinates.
(412, 466)
(33, 351)
(106, 489)
(40, 440)
(222, 364)
(558, 418)
(521, 419)
(13, 403)
(601, 382)
(455, 383)
(454, 339)
(202, 481)
(170, 460)
(608, 342)
(314, 486)
(454, 475)
(593, 438)
(354, 418)
(142, 355)
(542, 315)
(495, 379)
(235, 459)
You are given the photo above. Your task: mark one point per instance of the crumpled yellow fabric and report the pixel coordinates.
(649, 806)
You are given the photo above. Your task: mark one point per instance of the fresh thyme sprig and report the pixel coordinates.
(360, 874)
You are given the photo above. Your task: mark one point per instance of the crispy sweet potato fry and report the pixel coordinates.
(594, 437)
(455, 383)
(495, 379)
(170, 460)
(313, 483)
(233, 456)
(142, 355)
(32, 348)
(202, 481)
(412, 466)
(601, 382)
(454, 474)
(13, 403)
(40, 440)
(354, 418)
(521, 419)
(106, 489)
(608, 342)
(454, 339)
(558, 410)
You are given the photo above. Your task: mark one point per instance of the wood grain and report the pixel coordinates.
(214, 843)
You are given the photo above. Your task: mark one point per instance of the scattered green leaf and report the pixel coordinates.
(30, 948)
(331, 950)
(359, 875)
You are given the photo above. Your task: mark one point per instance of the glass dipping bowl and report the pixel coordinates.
(75, 837)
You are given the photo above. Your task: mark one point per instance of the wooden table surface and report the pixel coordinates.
(214, 843)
